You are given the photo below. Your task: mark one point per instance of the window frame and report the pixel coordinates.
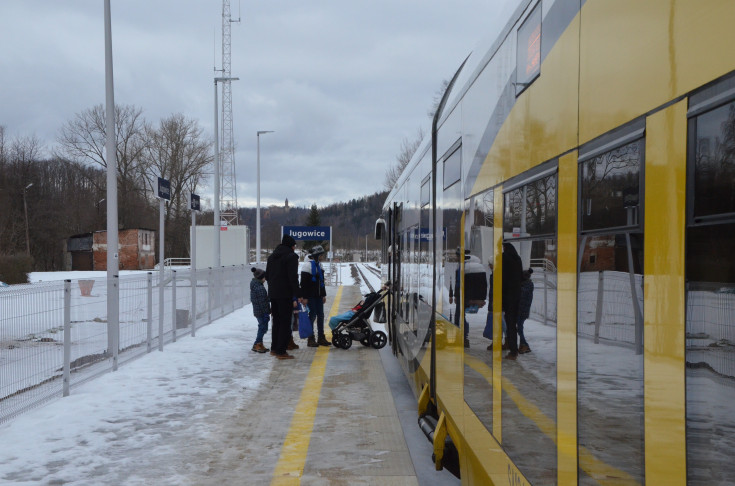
(711, 98)
(634, 131)
(521, 85)
(541, 171)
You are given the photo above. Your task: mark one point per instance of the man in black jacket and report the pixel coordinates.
(283, 290)
(512, 273)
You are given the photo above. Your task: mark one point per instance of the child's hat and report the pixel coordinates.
(258, 273)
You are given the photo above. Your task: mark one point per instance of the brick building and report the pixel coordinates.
(88, 251)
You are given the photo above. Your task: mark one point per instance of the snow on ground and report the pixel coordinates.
(142, 411)
(141, 414)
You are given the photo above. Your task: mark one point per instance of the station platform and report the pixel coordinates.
(330, 417)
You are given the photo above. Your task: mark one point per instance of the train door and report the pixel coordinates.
(610, 378)
(529, 381)
(710, 287)
(395, 273)
(478, 360)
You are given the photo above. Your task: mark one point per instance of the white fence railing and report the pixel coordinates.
(54, 335)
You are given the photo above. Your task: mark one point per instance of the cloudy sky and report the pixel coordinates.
(341, 82)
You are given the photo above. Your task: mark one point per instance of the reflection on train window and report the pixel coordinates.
(610, 188)
(714, 162)
(451, 216)
(610, 357)
(529, 382)
(531, 210)
(478, 378)
(528, 53)
(425, 259)
(710, 299)
(450, 210)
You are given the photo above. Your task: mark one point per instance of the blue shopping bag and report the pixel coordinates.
(488, 332)
(306, 328)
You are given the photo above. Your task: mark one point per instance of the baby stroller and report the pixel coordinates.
(355, 324)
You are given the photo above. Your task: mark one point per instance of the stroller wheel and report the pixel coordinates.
(345, 341)
(378, 339)
(365, 341)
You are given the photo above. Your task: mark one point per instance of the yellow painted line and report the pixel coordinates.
(601, 471)
(290, 466)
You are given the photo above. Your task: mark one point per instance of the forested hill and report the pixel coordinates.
(350, 221)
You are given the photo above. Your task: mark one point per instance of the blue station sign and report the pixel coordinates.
(164, 189)
(308, 233)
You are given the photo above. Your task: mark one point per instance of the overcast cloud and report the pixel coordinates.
(341, 82)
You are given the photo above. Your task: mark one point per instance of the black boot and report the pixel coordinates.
(311, 342)
(322, 341)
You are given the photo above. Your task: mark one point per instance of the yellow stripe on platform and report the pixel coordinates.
(291, 462)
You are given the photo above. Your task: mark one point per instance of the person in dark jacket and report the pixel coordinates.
(512, 273)
(261, 308)
(524, 308)
(475, 289)
(283, 289)
(314, 294)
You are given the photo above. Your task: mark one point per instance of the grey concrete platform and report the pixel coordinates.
(364, 430)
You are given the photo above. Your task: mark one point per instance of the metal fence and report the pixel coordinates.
(609, 307)
(710, 327)
(54, 336)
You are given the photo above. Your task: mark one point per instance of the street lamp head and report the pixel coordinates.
(29, 185)
(220, 79)
(261, 132)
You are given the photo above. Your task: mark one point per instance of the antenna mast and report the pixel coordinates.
(228, 180)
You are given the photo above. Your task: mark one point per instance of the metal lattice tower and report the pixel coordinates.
(228, 180)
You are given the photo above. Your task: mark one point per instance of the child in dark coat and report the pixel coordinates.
(524, 308)
(261, 308)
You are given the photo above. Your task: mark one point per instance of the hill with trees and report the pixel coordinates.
(350, 221)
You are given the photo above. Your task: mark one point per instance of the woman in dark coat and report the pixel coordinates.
(512, 274)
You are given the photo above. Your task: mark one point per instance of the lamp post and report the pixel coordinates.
(25, 209)
(98, 209)
(217, 221)
(257, 214)
(113, 263)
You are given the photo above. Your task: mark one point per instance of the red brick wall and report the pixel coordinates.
(132, 253)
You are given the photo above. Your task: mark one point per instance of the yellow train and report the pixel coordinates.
(597, 138)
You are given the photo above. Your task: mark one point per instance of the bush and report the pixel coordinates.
(14, 269)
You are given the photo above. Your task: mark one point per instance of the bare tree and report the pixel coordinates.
(438, 98)
(408, 148)
(83, 139)
(177, 151)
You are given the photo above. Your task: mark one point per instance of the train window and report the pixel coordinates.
(530, 210)
(452, 168)
(529, 381)
(528, 52)
(610, 408)
(611, 185)
(710, 297)
(478, 391)
(426, 192)
(714, 162)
